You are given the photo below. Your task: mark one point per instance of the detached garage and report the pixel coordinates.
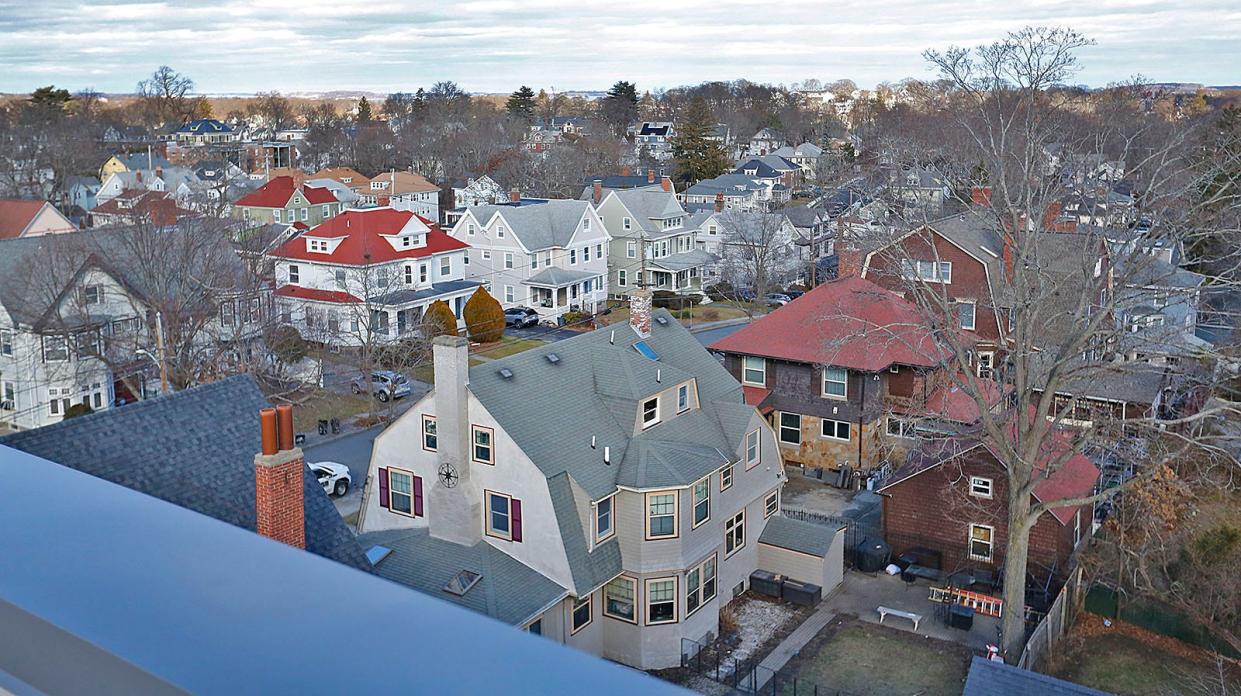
(802, 551)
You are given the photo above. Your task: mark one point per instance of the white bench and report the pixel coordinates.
(884, 611)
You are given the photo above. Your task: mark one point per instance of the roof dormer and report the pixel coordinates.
(412, 235)
(322, 245)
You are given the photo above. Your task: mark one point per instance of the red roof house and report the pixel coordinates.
(31, 218)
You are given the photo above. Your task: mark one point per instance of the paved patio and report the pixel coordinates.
(861, 593)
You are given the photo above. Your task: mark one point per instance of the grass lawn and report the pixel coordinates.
(699, 314)
(507, 346)
(326, 405)
(853, 657)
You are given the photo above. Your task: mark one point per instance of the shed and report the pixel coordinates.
(804, 551)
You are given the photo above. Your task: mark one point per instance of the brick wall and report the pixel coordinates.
(279, 497)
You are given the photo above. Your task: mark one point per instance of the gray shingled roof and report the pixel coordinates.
(590, 569)
(557, 277)
(796, 535)
(508, 590)
(650, 203)
(990, 678)
(195, 449)
(727, 184)
(406, 296)
(545, 225)
(684, 260)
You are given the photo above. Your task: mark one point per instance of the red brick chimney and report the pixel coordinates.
(1008, 257)
(514, 195)
(665, 183)
(279, 499)
(719, 202)
(650, 175)
(640, 312)
(299, 178)
(848, 262)
(626, 171)
(138, 176)
(981, 196)
(598, 190)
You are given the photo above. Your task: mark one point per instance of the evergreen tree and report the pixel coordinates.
(697, 156)
(521, 103)
(439, 320)
(364, 111)
(620, 107)
(484, 317)
(49, 99)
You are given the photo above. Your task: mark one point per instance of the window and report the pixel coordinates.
(734, 534)
(751, 449)
(408, 274)
(446, 265)
(771, 504)
(702, 501)
(327, 211)
(294, 275)
(753, 371)
(509, 295)
(508, 259)
(500, 231)
(59, 403)
(726, 478)
(401, 492)
(682, 398)
(899, 427)
(650, 412)
(305, 213)
(534, 261)
(661, 515)
(631, 250)
(699, 585)
(834, 429)
(621, 278)
(8, 397)
(661, 601)
(276, 215)
(603, 519)
(790, 428)
(581, 614)
(6, 342)
(573, 257)
(618, 599)
(986, 365)
(92, 294)
(965, 312)
(340, 278)
(835, 382)
(482, 445)
(980, 487)
(486, 254)
(585, 253)
(430, 440)
(627, 224)
(55, 349)
(599, 251)
(500, 517)
(469, 229)
(928, 271)
(981, 541)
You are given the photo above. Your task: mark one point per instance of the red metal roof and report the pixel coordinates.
(850, 323)
(363, 243)
(952, 402)
(277, 192)
(16, 215)
(301, 293)
(755, 395)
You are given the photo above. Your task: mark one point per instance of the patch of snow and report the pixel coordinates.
(757, 621)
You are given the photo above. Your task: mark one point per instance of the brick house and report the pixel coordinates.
(831, 369)
(951, 497)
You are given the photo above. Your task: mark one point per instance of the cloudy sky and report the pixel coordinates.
(242, 46)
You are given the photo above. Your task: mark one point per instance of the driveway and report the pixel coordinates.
(354, 451)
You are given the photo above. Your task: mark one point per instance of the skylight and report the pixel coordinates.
(646, 351)
(375, 554)
(462, 582)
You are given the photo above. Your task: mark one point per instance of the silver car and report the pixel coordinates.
(384, 385)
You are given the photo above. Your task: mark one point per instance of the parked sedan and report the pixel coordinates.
(778, 298)
(384, 385)
(520, 317)
(333, 476)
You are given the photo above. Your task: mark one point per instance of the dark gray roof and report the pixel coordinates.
(590, 569)
(684, 260)
(401, 297)
(796, 535)
(557, 277)
(991, 678)
(727, 184)
(550, 224)
(1156, 273)
(195, 449)
(648, 204)
(1137, 383)
(508, 590)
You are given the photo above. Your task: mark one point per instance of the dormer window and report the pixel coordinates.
(683, 398)
(650, 412)
(317, 245)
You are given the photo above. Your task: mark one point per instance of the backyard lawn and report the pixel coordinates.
(326, 405)
(851, 657)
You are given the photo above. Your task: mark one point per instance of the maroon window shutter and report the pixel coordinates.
(417, 496)
(516, 520)
(383, 487)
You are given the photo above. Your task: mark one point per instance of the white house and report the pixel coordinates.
(480, 190)
(368, 274)
(652, 245)
(551, 255)
(403, 191)
(610, 491)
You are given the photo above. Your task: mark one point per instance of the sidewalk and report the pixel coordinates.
(789, 647)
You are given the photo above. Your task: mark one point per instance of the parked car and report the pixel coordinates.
(746, 295)
(778, 299)
(333, 476)
(794, 294)
(384, 385)
(520, 317)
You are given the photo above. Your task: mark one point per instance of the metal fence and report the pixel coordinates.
(1041, 646)
(856, 530)
(747, 676)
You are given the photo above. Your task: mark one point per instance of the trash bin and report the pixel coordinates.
(323, 426)
(801, 593)
(335, 426)
(872, 556)
(961, 616)
(299, 439)
(765, 583)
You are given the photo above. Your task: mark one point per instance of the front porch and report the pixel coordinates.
(556, 291)
(680, 273)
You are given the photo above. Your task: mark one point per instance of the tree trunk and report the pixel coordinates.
(1016, 558)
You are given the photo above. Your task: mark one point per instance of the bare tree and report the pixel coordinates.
(757, 254)
(165, 97)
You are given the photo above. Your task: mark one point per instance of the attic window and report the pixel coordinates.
(646, 351)
(319, 245)
(462, 582)
(375, 554)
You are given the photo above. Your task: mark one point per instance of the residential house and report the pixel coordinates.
(403, 191)
(368, 275)
(766, 141)
(652, 244)
(735, 238)
(352, 178)
(474, 189)
(133, 162)
(994, 678)
(80, 192)
(286, 200)
(551, 255)
(137, 205)
(627, 179)
(739, 192)
(832, 367)
(655, 137)
(27, 218)
(951, 497)
(157, 447)
(180, 182)
(776, 175)
(205, 131)
(612, 488)
(805, 156)
(920, 188)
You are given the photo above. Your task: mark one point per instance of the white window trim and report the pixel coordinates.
(633, 584)
(491, 444)
(781, 426)
(491, 532)
(676, 514)
(823, 383)
(611, 532)
(590, 611)
(425, 419)
(701, 569)
(745, 369)
(693, 492)
(676, 594)
(978, 483)
(729, 526)
(990, 545)
(758, 449)
(731, 475)
(973, 314)
(774, 494)
(682, 388)
(823, 431)
(412, 503)
(642, 412)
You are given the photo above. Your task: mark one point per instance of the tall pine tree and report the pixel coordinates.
(620, 107)
(697, 156)
(364, 111)
(521, 103)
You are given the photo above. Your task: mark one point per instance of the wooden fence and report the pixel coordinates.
(1041, 647)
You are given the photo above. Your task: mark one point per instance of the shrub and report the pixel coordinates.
(484, 317)
(286, 344)
(78, 410)
(721, 291)
(710, 314)
(439, 320)
(576, 318)
(671, 300)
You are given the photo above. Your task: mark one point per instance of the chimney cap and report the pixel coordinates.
(451, 341)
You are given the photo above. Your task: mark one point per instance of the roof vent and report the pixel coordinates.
(612, 337)
(659, 375)
(662, 320)
(607, 455)
(506, 373)
(462, 582)
(375, 554)
(552, 358)
(592, 441)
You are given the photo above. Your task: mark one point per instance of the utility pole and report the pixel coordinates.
(159, 345)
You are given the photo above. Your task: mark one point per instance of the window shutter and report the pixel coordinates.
(516, 520)
(417, 496)
(383, 487)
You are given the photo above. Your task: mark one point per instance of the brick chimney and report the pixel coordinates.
(1008, 257)
(514, 195)
(626, 171)
(848, 262)
(719, 202)
(138, 176)
(455, 511)
(279, 496)
(981, 196)
(598, 191)
(665, 183)
(299, 178)
(650, 175)
(640, 312)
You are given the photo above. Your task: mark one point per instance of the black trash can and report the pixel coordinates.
(765, 583)
(323, 426)
(872, 555)
(801, 593)
(961, 616)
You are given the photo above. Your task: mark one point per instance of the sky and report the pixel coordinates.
(247, 46)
